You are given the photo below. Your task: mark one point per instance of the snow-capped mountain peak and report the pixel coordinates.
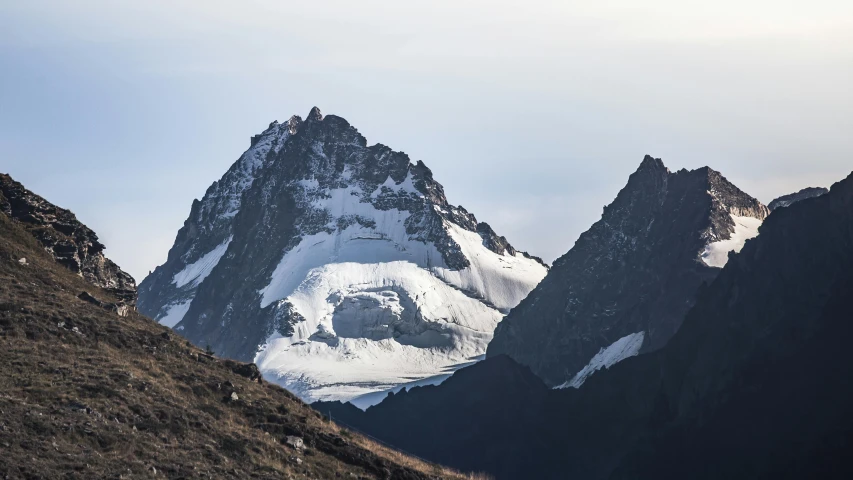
(340, 268)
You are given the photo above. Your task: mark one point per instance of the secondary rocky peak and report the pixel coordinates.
(631, 277)
(315, 114)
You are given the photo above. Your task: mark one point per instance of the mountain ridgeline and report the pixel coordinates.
(787, 200)
(72, 244)
(754, 384)
(702, 336)
(339, 268)
(633, 275)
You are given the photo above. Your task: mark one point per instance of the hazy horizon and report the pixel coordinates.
(532, 118)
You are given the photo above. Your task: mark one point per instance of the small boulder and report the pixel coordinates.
(87, 297)
(295, 442)
(120, 309)
(234, 397)
(248, 370)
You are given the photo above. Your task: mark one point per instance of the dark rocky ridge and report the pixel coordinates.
(791, 198)
(264, 205)
(71, 243)
(754, 385)
(481, 416)
(635, 270)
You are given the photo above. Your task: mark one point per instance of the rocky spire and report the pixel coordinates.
(315, 114)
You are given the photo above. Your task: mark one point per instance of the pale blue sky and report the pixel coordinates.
(531, 114)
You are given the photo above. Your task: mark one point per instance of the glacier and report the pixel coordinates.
(382, 309)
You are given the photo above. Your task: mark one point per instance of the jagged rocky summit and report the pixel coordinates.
(71, 243)
(791, 198)
(627, 283)
(339, 268)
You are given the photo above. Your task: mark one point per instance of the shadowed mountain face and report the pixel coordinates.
(755, 384)
(634, 272)
(71, 243)
(480, 417)
(340, 268)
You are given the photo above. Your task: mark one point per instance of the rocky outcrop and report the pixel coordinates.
(119, 308)
(791, 198)
(755, 383)
(315, 243)
(634, 271)
(71, 243)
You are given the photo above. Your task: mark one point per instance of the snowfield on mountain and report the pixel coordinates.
(626, 347)
(339, 268)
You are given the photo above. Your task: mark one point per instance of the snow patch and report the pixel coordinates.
(174, 313)
(197, 271)
(625, 347)
(346, 348)
(406, 186)
(716, 254)
(502, 280)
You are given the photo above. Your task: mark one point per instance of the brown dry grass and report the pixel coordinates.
(413, 462)
(85, 393)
